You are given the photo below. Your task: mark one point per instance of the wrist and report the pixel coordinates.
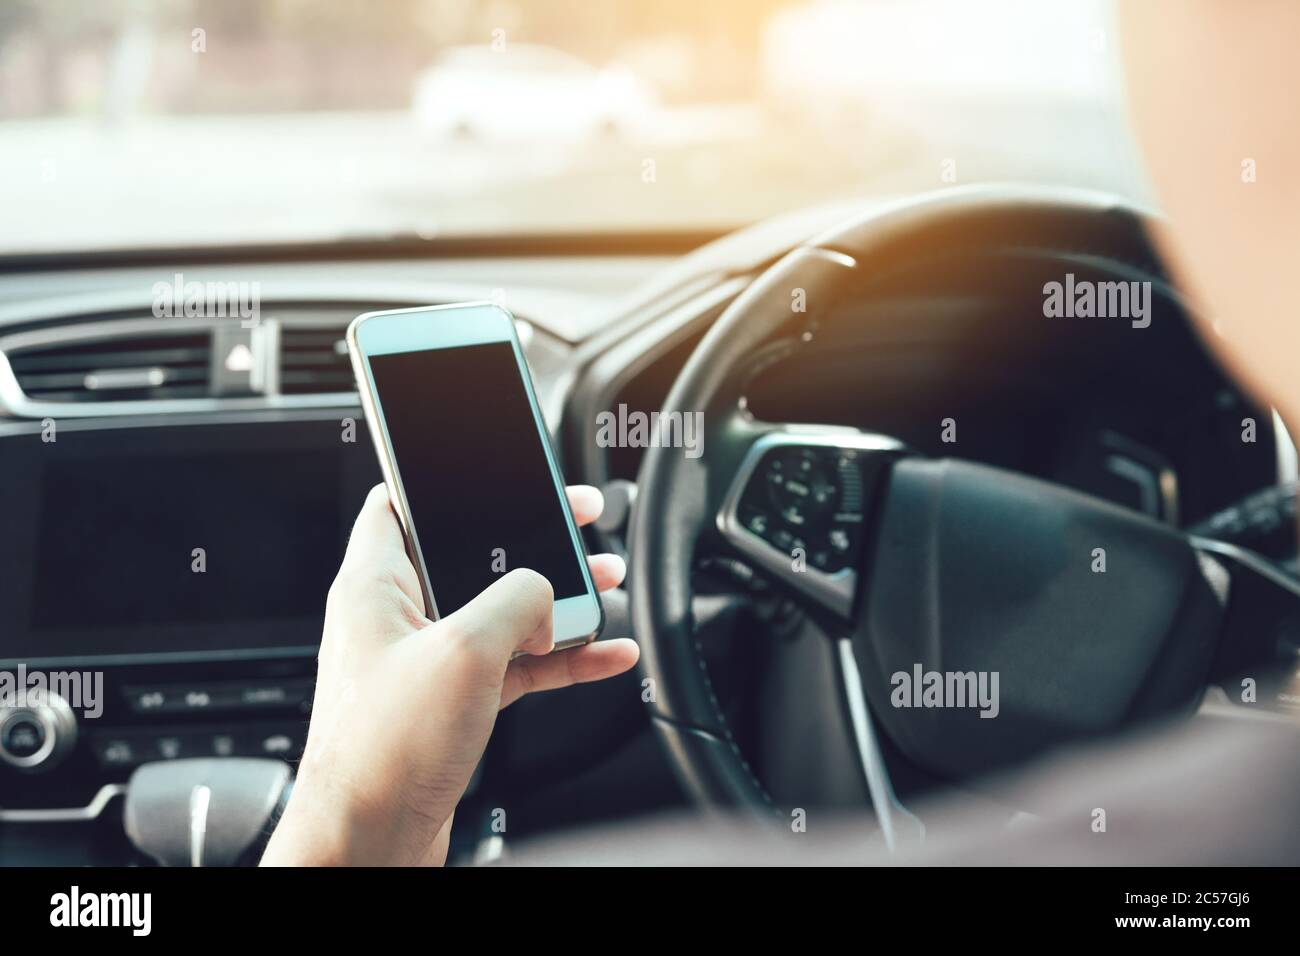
(324, 824)
(308, 835)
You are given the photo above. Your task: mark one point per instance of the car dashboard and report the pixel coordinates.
(178, 489)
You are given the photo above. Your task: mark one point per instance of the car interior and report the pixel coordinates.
(883, 395)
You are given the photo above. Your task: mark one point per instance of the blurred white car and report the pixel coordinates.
(523, 92)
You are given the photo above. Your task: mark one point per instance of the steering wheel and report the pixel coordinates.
(911, 564)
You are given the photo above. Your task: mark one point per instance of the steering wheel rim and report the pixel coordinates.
(685, 710)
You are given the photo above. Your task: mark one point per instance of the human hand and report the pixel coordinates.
(404, 706)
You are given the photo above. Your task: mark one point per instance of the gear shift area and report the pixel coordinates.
(205, 812)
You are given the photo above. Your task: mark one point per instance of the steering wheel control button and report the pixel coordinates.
(1263, 522)
(851, 500)
(807, 496)
(799, 485)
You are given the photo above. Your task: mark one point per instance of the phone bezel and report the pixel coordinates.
(576, 619)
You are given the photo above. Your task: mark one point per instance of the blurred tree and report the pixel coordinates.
(42, 33)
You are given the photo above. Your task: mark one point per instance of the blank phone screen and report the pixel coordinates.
(476, 476)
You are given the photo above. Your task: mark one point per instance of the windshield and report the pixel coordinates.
(135, 123)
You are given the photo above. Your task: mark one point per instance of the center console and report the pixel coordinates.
(162, 590)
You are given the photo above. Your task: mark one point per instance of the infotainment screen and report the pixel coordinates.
(207, 539)
(183, 539)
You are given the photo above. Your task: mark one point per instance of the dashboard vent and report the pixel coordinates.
(314, 360)
(122, 368)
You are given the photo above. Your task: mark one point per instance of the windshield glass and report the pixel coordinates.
(153, 123)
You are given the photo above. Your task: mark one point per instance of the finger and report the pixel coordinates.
(512, 614)
(376, 548)
(607, 570)
(376, 537)
(581, 665)
(587, 503)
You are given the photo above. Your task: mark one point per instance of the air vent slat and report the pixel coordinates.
(301, 338)
(312, 361)
(341, 379)
(133, 366)
(85, 361)
(314, 358)
(35, 384)
(81, 396)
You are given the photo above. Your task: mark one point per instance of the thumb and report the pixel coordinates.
(512, 614)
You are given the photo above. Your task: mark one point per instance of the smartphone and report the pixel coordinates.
(467, 460)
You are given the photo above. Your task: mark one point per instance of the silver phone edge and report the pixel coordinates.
(387, 466)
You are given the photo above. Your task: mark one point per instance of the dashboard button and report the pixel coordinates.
(172, 699)
(132, 748)
(264, 695)
(37, 736)
(23, 736)
(129, 747)
(273, 695)
(149, 700)
(277, 745)
(280, 741)
(115, 751)
(223, 697)
(196, 700)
